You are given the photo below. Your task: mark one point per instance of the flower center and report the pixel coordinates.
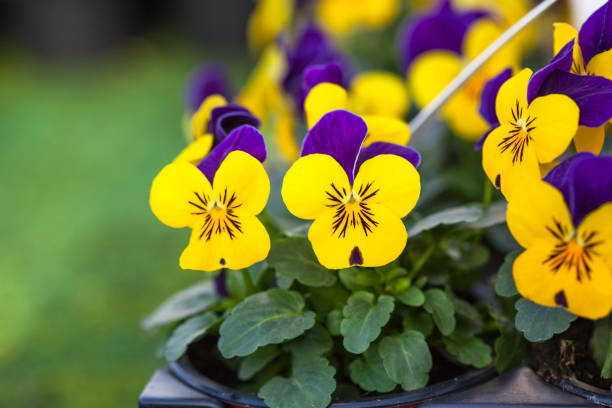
(518, 138)
(352, 209)
(218, 213)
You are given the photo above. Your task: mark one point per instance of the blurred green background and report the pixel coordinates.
(82, 258)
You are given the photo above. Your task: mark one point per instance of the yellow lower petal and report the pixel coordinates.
(199, 122)
(382, 245)
(324, 97)
(393, 179)
(379, 93)
(196, 151)
(589, 139)
(177, 194)
(430, 73)
(307, 183)
(598, 221)
(555, 124)
(386, 129)
(601, 65)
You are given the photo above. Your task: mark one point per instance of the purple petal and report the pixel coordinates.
(208, 80)
(245, 138)
(317, 74)
(221, 285)
(563, 61)
(481, 141)
(592, 94)
(339, 134)
(378, 148)
(595, 35)
(443, 28)
(224, 119)
(489, 94)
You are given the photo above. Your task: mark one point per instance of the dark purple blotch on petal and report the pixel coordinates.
(442, 28)
(378, 148)
(560, 299)
(489, 95)
(245, 138)
(595, 35)
(585, 180)
(562, 61)
(592, 94)
(209, 79)
(338, 133)
(317, 74)
(224, 119)
(356, 258)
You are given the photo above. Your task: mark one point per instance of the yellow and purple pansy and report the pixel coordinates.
(219, 200)
(564, 225)
(530, 132)
(355, 195)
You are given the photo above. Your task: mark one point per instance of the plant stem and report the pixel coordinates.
(248, 282)
(488, 194)
(606, 371)
(418, 265)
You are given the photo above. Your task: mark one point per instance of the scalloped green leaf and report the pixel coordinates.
(450, 216)
(264, 318)
(442, 309)
(253, 363)
(294, 258)
(407, 359)
(186, 333)
(469, 350)
(412, 296)
(539, 323)
(363, 318)
(316, 342)
(369, 372)
(504, 284)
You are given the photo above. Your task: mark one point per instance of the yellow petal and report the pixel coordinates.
(199, 122)
(307, 183)
(284, 129)
(245, 247)
(384, 242)
(479, 36)
(268, 19)
(379, 13)
(324, 97)
(338, 15)
(556, 122)
(393, 181)
(461, 112)
(195, 152)
(589, 139)
(379, 93)
(430, 73)
(599, 222)
(534, 210)
(512, 91)
(177, 194)
(243, 175)
(386, 129)
(563, 33)
(601, 65)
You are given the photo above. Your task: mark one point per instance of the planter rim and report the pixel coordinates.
(188, 374)
(589, 392)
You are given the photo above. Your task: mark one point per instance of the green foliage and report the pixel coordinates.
(363, 318)
(419, 321)
(334, 319)
(539, 323)
(406, 359)
(253, 363)
(189, 331)
(355, 278)
(442, 310)
(412, 296)
(294, 258)
(504, 284)
(600, 340)
(511, 350)
(451, 216)
(369, 373)
(264, 318)
(469, 350)
(315, 343)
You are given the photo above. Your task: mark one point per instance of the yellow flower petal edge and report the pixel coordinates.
(589, 139)
(379, 93)
(430, 73)
(195, 152)
(199, 122)
(386, 129)
(322, 98)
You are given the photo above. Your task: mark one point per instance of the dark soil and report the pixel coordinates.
(567, 355)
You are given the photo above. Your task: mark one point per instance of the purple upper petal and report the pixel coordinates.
(338, 133)
(208, 80)
(592, 94)
(595, 35)
(378, 148)
(489, 94)
(585, 180)
(562, 61)
(317, 74)
(442, 28)
(226, 118)
(245, 138)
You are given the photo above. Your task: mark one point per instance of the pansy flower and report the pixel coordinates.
(209, 79)
(218, 199)
(436, 47)
(564, 226)
(379, 97)
(211, 124)
(487, 102)
(582, 69)
(355, 195)
(529, 133)
(344, 16)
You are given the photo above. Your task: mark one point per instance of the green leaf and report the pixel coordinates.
(310, 386)
(493, 215)
(253, 363)
(419, 321)
(316, 342)
(469, 350)
(606, 370)
(451, 216)
(326, 299)
(469, 321)
(412, 296)
(284, 282)
(189, 331)
(511, 350)
(406, 359)
(294, 258)
(334, 319)
(181, 305)
(600, 340)
(369, 372)
(363, 319)
(264, 318)
(355, 278)
(539, 323)
(442, 309)
(504, 284)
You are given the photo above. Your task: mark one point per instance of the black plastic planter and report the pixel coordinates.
(584, 390)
